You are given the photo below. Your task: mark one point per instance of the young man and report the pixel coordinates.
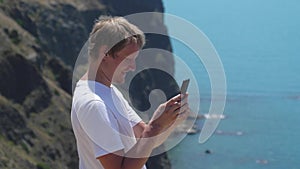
(108, 132)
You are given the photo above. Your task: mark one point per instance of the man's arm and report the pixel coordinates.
(139, 129)
(136, 157)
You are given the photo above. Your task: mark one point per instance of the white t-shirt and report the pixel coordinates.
(102, 121)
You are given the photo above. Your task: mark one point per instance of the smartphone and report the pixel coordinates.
(184, 86)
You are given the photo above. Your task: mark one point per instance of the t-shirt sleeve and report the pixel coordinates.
(101, 128)
(134, 118)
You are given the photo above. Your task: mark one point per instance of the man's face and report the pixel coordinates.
(124, 62)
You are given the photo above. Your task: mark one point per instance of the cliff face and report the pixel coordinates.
(40, 40)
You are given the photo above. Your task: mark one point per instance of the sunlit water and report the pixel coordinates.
(258, 43)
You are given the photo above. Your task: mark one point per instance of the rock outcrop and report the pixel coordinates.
(40, 40)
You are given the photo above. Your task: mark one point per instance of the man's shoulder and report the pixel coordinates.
(86, 98)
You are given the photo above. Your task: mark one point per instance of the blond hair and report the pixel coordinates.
(115, 33)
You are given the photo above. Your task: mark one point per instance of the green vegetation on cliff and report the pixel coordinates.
(39, 43)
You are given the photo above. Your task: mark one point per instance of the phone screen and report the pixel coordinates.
(184, 86)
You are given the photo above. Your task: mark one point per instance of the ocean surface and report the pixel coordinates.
(258, 43)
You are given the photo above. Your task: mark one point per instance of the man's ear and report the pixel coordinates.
(102, 52)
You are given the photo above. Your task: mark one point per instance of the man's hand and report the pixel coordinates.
(174, 110)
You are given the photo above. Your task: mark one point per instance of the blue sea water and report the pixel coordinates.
(258, 43)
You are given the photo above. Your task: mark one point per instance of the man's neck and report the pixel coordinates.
(100, 77)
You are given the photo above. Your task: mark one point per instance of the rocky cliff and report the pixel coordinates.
(39, 43)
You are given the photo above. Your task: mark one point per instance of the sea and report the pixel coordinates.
(258, 43)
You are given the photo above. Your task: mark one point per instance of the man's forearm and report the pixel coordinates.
(137, 156)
